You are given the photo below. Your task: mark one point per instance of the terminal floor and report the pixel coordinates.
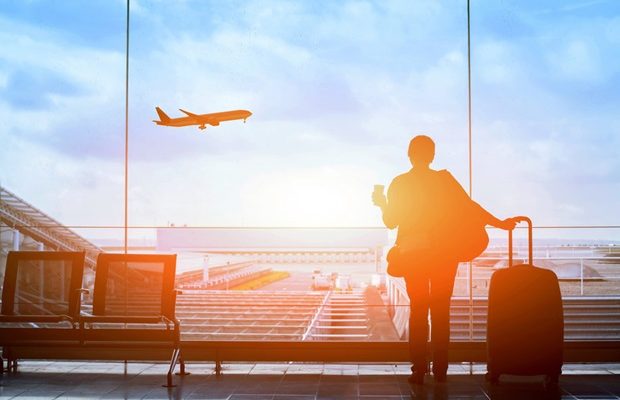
(295, 381)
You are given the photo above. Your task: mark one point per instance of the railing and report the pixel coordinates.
(600, 272)
(307, 334)
(596, 313)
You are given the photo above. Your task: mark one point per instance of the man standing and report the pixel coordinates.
(425, 205)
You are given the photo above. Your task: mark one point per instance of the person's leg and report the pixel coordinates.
(442, 284)
(418, 291)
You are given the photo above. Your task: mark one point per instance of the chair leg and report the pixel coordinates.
(173, 363)
(6, 355)
(218, 368)
(182, 371)
(12, 365)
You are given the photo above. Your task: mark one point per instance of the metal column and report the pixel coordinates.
(16, 240)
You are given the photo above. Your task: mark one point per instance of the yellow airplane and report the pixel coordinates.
(202, 120)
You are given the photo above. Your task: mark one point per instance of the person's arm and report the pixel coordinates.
(388, 206)
(490, 219)
(506, 224)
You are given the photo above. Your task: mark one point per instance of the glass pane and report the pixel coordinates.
(336, 91)
(134, 288)
(62, 95)
(42, 287)
(246, 315)
(280, 283)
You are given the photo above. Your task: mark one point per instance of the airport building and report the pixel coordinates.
(275, 285)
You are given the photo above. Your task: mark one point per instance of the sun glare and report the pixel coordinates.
(317, 197)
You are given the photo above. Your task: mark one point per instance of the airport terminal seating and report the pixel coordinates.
(40, 302)
(133, 313)
(133, 309)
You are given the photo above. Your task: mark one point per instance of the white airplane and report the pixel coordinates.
(202, 120)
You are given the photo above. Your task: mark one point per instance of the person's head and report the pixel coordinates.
(421, 151)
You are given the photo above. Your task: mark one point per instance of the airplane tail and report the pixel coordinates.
(163, 117)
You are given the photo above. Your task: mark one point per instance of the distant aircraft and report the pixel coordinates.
(202, 120)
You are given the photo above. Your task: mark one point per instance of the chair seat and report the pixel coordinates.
(129, 335)
(35, 318)
(41, 337)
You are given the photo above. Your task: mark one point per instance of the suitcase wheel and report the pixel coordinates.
(493, 379)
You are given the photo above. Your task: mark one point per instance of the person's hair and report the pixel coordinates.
(421, 149)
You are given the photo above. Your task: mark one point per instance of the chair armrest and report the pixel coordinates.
(79, 292)
(167, 320)
(119, 319)
(67, 318)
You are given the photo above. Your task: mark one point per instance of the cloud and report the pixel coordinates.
(306, 85)
(578, 60)
(75, 192)
(36, 89)
(59, 94)
(579, 5)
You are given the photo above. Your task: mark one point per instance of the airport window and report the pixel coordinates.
(269, 208)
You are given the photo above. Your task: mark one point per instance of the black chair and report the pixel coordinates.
(133, 314)
(40, 303)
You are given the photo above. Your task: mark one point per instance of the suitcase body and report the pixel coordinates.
(525, 323)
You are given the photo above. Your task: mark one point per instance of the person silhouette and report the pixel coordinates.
(426, 205)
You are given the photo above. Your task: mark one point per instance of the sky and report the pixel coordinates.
(337, 90)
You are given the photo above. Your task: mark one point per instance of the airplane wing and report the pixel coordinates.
(189, 113)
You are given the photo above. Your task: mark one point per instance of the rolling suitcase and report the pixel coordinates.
(525, 323)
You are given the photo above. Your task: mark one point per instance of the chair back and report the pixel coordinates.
(135, 285)
(42, 283)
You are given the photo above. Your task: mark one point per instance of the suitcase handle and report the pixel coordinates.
(529, 240)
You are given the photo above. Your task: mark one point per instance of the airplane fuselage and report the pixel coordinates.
(201, 120)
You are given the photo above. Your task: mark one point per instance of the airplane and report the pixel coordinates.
(202, 120)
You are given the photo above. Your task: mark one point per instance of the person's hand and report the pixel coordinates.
(508, 224)
(379, 199)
